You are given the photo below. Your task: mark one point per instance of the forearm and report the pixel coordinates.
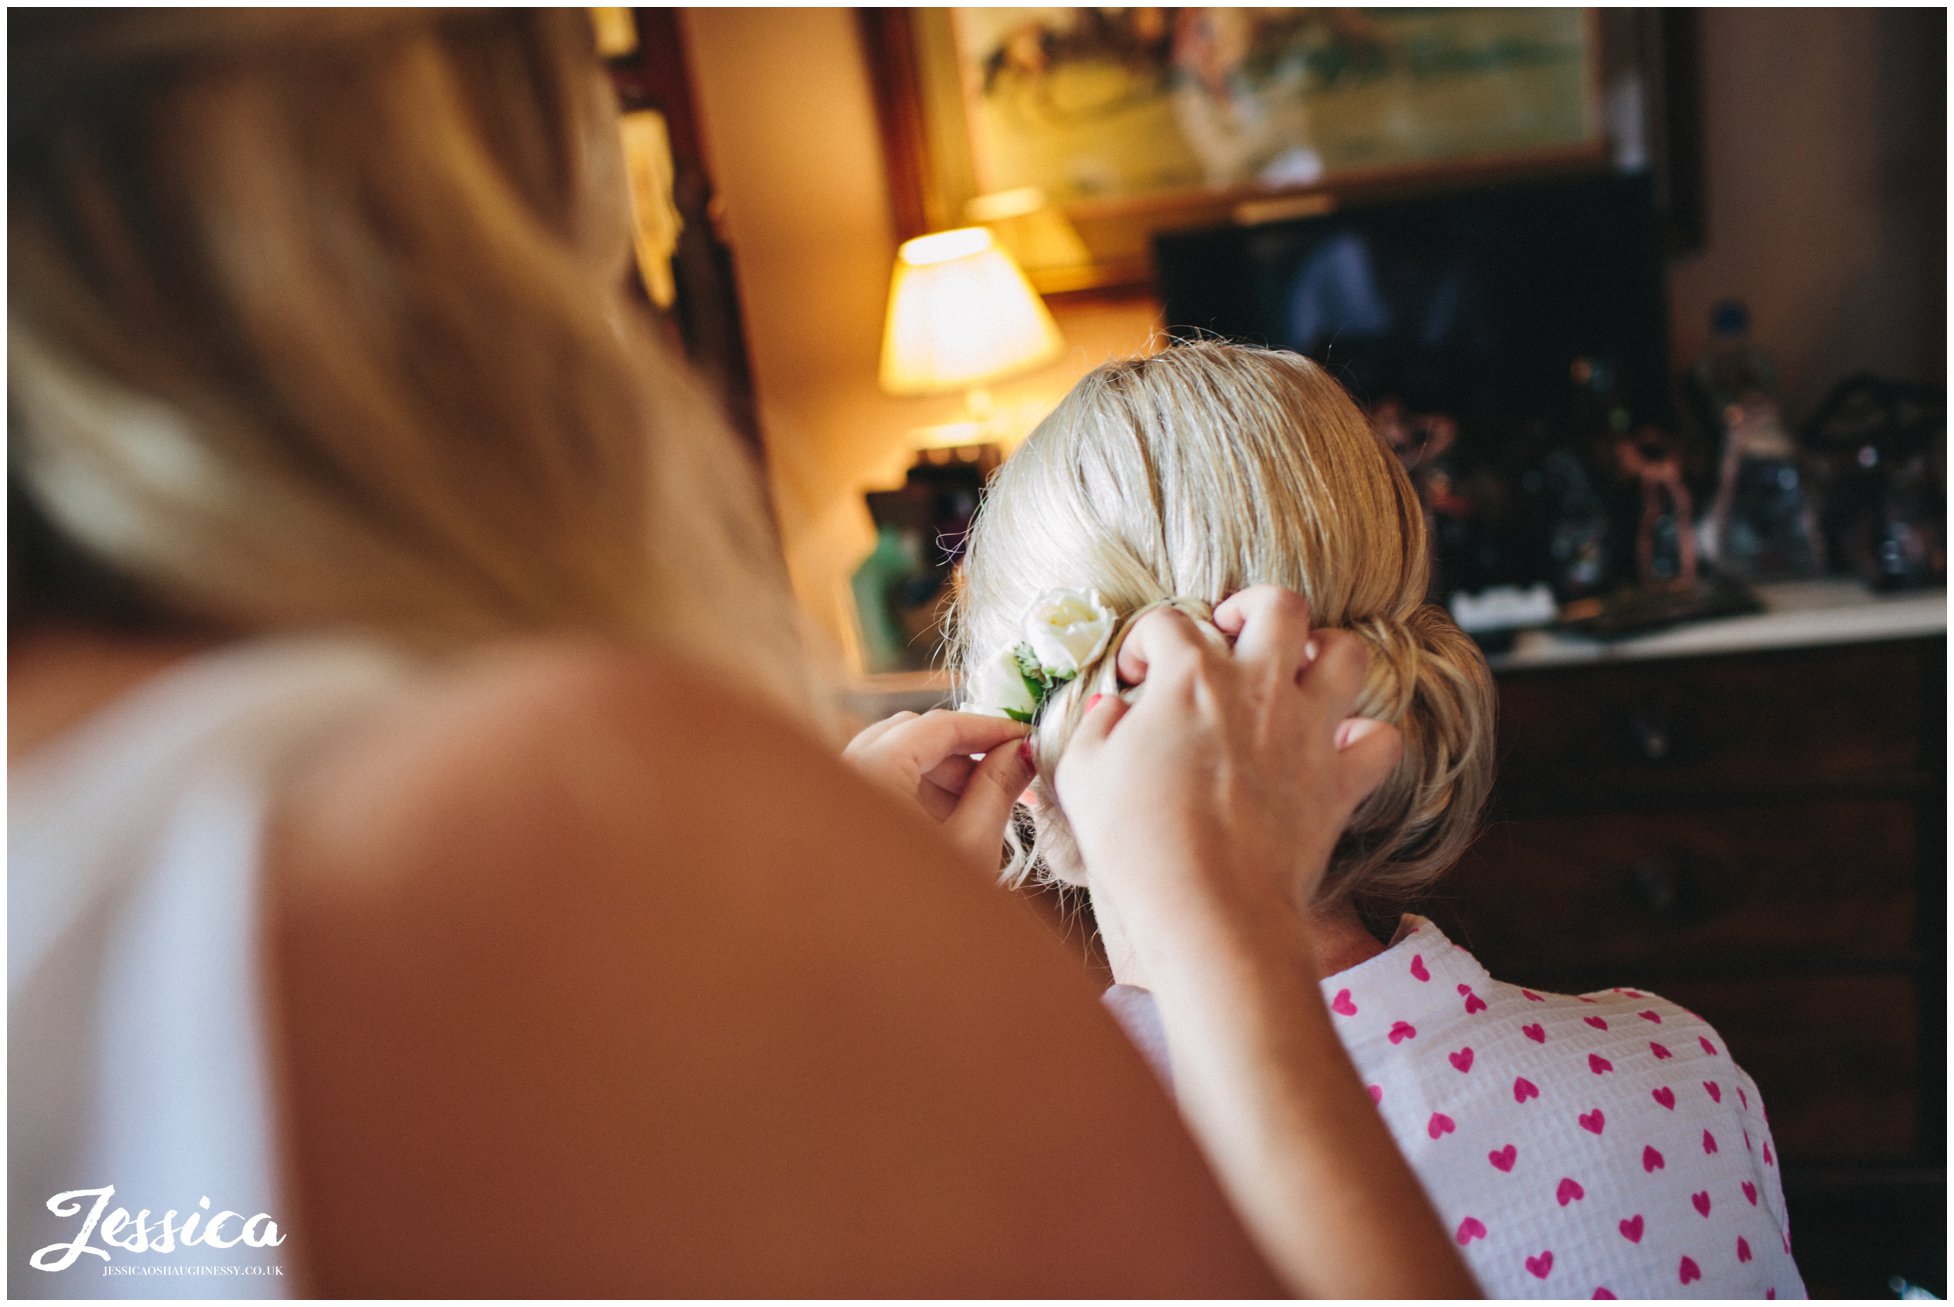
(1206, 813)
(1268, 1091)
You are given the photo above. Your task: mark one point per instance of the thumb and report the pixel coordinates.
(1368, 750)
(984, 810)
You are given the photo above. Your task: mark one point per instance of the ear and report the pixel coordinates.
(1368, 751)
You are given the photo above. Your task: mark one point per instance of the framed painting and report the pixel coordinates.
(1133, 121)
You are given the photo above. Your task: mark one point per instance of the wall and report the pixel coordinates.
(790, 130)
(1825, 152)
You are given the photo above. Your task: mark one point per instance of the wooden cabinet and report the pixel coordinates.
(1726, 889)
(1759, 723)
(1760, 837)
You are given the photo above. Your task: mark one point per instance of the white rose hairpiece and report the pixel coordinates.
(1063, 631)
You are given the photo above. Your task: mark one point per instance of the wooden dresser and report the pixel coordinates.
(1753, 825)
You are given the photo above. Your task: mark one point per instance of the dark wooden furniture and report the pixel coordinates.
(1760, 837)
(705, 319)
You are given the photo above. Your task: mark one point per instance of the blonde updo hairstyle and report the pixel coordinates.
(1189, 475)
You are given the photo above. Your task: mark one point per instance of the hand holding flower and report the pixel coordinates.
(966, 770)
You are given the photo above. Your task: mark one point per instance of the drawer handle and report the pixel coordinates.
(1656, 887)
(1651, 739)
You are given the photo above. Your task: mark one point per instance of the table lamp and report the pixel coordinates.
(961, 316)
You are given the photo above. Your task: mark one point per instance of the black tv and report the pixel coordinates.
(1474, 304)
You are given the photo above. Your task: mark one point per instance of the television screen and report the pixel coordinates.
(1474, 304)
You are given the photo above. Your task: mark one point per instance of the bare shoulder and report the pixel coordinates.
(597, 978)
(542, 740)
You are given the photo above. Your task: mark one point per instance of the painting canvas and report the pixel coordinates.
(1133, 119)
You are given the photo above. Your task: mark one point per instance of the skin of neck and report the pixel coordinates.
(1338, 938)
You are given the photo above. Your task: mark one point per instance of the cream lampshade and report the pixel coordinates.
(961, 315)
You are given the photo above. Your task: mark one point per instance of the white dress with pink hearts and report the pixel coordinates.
(1601, 1146)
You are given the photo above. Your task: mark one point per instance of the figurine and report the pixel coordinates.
(1654, 459)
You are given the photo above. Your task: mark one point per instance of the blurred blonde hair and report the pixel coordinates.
(1196, 472)
(317, 320)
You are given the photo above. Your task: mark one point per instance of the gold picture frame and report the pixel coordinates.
(1136, 121)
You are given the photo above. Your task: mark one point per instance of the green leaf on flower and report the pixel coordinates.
(1028, 665)
(1039, 681)
(1035, 683)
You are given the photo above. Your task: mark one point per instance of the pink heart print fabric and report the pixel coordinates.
(1578, 1146)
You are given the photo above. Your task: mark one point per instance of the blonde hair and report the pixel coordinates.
(1191, 474)
(318, 320)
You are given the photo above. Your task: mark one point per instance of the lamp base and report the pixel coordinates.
(983, 455)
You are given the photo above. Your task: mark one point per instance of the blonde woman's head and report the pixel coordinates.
(1197, 472)
(318, 320)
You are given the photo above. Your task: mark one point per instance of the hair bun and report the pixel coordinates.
(1428, 679)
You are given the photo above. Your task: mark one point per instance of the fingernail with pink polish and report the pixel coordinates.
(1024, 752)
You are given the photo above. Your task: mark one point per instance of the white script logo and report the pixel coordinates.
(137, 1234)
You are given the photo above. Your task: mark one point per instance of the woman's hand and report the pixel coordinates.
(933, 759)
(1213, 802)
(1206, 813)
